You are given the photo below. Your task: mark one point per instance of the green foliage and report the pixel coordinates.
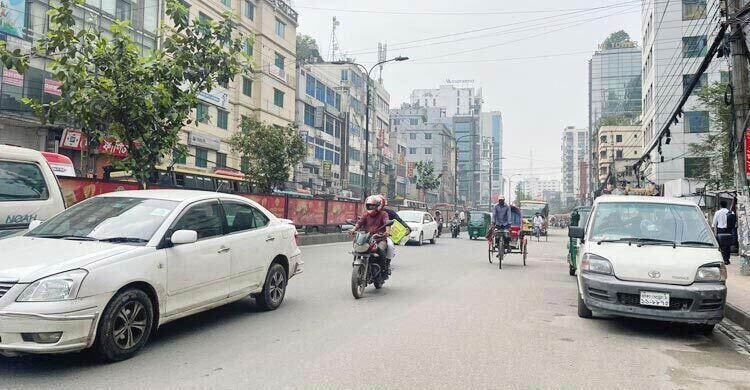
(424, 176)
(113, 91)
(270, 152)
(615, 38)
(719, 173)
(307, 49)
(519, 195)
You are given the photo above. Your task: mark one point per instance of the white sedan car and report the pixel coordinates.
(422, 225)
(108, 271)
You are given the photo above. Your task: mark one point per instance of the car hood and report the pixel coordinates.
(30, 258)
(655, 263)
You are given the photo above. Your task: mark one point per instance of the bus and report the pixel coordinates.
(529, 208)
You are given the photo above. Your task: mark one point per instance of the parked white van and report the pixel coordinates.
(28, 189)
(650, 257)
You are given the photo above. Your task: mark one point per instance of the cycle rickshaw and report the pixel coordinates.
(514, 239)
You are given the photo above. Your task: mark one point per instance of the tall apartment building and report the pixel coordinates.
(463, 107)
(618, 147)
(575, 151)
(538, 188)
(492, 130)
(676, 37)
(614, 91)
(427, 137)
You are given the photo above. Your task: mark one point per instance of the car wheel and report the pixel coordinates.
(421, 239)
(274, 289)
(125, 326)
(707, 330)
(583, 310)
(434, 238)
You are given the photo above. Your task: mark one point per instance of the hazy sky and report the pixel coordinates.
(537, 96)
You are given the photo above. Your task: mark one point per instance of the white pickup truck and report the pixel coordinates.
(29, 189)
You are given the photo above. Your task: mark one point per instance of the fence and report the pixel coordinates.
(303, 211)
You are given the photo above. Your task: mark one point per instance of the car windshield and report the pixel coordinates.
(122, 219)
(650, 222)
(411, 216)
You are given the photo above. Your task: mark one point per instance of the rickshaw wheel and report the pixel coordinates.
(489, 252)
(524, 251)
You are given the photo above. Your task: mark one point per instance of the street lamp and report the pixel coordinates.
(367, 113)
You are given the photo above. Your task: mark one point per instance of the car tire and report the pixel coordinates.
(274, 289)
(118, 337)
(420, 241)
(583, 310)
(707, 330)
(433, 239)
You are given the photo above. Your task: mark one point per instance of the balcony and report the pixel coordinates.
(285, 8)
(279, 73)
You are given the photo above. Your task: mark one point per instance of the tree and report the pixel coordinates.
(268, 152)
(616, 38)
(307, 49)
(114, 92)
(520, 195)
(715, 146)
(425, 178)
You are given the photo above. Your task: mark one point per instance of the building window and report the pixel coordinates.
(203, 18)
(247, 86)
(344, 75)
(696, 122)
(694, 46)
(427, 135)
(603, 154)
(427, 150)
(249, 10)
(693, 9)
(248, 47)
(413, 121)
(412, 150)
(280, 28)
(177, 157)
(221, 160)
(618, 138)
(724, 76)
(279, 61)
(309, 115)
(618, 154)
(603, 139)
(688, 78)
(310, 85)
(278, 98)
(354, 154)
(201, 157)
(222, 119)
(124, 10)
(412, 135)
(201, 113)
(696, 167)
(227, 3)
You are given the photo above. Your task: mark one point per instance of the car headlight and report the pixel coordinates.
(596, 264)
(714, 272)
(59, 287)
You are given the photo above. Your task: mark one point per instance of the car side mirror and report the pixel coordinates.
(576, 232)
(35, 224)
(184, 237)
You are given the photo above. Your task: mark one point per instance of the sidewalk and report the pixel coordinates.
(738, 295)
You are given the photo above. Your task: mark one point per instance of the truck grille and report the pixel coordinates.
(635, 300)
(4, 287)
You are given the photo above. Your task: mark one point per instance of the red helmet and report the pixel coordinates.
(383, 199)
(373, 204)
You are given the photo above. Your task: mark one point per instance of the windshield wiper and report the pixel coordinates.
(701, 243)
(629, 240)
(66, 237)
(124, 239)
(655, 241)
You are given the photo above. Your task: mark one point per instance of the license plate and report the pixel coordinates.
(650, 298)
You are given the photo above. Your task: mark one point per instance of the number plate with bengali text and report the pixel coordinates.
(650, 298)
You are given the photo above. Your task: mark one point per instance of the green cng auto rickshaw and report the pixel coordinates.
(479, 224)
(578, 217)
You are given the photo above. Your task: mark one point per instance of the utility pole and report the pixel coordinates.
(741, 105)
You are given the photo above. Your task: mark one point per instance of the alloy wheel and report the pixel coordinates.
(130, 325)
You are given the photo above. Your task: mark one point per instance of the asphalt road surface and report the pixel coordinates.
(447, 319)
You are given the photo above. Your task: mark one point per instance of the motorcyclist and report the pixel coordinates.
(391, 249)
(501, 216)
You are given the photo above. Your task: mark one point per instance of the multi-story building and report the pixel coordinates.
(536, 188)
(614, 91)
(427, 137)
(492, 129)
(463, 107)
(676, 37)
(617, 149)
(575, 151)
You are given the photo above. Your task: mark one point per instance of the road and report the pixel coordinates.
(446, 319)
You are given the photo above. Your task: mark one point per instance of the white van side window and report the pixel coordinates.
(21, 181)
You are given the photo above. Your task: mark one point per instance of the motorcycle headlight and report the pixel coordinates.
(59, 287)
(596, 264)
(714, 272)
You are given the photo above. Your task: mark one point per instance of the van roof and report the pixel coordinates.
(643, 199)
(19, 153)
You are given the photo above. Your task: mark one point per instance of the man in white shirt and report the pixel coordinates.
(538, 222)
(723, 235)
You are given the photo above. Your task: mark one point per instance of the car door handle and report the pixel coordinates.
(270, 238)
(223, 249)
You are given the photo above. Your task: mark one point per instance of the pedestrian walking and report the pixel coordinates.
(723, 234)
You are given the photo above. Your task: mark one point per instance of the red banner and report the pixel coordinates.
(76, 190)
(307, 211)
(339, 212)
(747, 152)
(76, 140)
(273, 203)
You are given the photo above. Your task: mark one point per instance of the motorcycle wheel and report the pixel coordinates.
(378, 284)
(358, 281)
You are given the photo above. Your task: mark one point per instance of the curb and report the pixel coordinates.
(317, 239)
(737, 315)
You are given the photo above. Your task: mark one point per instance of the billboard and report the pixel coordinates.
(77, 190)
(307, 211)
(13, 17)
(273, 203)
(339, 212)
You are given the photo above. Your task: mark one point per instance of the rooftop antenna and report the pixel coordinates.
(334, 47)
(382, 55)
